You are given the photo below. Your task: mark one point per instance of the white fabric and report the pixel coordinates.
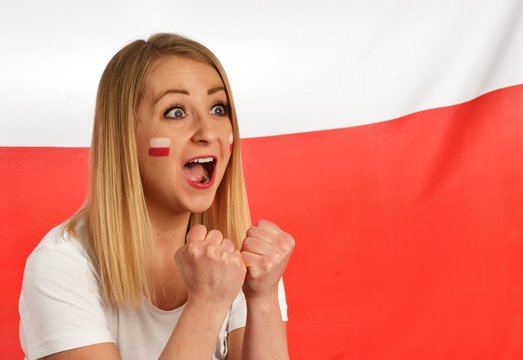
(61, 308)
(345, 57)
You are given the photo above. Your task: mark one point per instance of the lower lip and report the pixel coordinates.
(201, 186)
(205, 186)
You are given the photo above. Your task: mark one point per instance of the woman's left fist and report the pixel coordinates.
(265, 251)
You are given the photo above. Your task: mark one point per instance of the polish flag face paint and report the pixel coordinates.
(159, 146)
(231, 142)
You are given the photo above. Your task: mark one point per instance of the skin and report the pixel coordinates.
(200, 269)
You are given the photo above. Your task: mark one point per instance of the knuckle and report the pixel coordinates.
(244, 255)
(215, 235)
(247, 243)
(262, 222)
(211, 251)
(287, 248)
(193, 249)
(251, 231)
(199, 228)
(227, 244)
(267, 265)
(236, 260)
(197, 232)
(289, 240)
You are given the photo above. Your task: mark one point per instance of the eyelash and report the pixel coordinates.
(225, 107)
(181, 107)
(172, 107)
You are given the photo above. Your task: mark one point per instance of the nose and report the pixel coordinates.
(204, 130)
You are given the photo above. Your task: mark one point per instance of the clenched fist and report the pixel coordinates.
(265, 252)
(210, 266)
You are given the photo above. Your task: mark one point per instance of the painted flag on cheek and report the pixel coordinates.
(402, 183)
(159, 146)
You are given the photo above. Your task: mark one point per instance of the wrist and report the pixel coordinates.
(262, 302)
(204, 305)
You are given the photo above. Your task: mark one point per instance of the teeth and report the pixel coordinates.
(202, 160)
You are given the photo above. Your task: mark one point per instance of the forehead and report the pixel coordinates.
(176, 72)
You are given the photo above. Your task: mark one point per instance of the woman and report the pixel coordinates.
(152, 267)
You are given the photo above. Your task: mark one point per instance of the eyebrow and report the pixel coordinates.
(171, 91)
(215, 90)
(211, 91)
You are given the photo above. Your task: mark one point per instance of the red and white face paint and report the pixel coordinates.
(159, 146)
(183, 130)
(231, 142)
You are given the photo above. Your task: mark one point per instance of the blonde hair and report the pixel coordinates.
(115, 213)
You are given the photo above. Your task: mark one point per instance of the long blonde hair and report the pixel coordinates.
(115, 213)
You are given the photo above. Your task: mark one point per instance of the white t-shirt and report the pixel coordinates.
(61, 308)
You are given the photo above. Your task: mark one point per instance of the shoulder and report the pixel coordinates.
(58, 240)
(60, 302)
(60, 245)
(57, 258)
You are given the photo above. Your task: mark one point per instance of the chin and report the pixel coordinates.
(200, 206)
(199, 210)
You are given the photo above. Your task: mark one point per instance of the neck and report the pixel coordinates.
(168, 235)
(168, 227)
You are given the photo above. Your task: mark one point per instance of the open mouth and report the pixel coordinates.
(200, 170)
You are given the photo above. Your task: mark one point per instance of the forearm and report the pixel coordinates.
(265, 333)
(213, 272)
(196, 332)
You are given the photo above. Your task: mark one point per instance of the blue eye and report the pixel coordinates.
(219, 109)
(174, 113)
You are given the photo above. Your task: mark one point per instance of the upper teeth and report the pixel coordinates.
(202, 160)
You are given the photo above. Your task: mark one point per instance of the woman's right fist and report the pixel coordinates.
(210, 266)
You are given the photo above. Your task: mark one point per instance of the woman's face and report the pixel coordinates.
(184, 135)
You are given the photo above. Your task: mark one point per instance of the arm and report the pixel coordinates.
(196, 332)
(99, 351)
(265, 251)
(194, 337)
(213, 272)
(265, 332)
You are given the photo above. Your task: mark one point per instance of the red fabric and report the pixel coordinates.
(409, 232)
(39, 188)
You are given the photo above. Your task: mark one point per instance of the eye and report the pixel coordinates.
(219, 109)
(174, 112)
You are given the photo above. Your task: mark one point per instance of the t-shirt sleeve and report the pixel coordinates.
(282, 300)
(60, 303)
(238, 313)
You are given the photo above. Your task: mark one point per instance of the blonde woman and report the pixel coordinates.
(153, 266)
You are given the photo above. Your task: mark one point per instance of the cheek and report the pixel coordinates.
(159, 147)
(231, 142)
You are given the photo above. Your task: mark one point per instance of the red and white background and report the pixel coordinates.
(386, 136)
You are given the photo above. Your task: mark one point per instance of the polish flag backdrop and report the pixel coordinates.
(387, 137)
